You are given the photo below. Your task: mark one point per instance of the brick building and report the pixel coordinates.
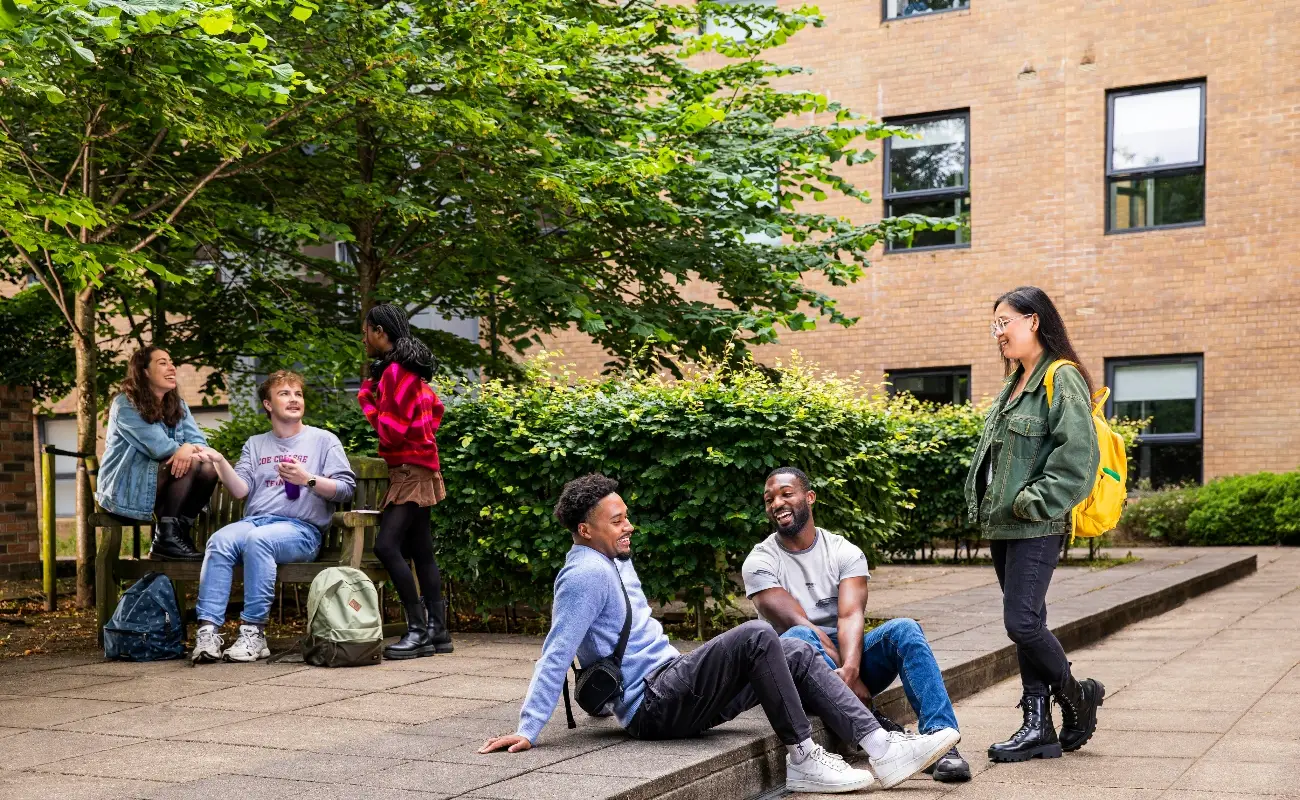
(1138, 161)
(20, 542)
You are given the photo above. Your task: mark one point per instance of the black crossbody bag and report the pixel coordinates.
(601, 683)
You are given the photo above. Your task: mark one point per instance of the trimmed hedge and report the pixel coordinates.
(1259, 509)
(691, 455)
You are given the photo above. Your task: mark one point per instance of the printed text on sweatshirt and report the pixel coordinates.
(405, 412)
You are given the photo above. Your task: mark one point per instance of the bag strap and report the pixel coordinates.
(627, 623)
(568, 709)
(1051, 376)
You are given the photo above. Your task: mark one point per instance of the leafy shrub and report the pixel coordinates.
(1160, 515)
(691, 456)
(1246, 509)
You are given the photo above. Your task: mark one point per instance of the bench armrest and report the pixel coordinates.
(353, 525)
(355, 519)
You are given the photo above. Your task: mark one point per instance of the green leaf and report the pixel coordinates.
(217, 21)
(301, 13)
(9, 14)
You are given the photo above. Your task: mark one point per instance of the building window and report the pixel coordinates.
(1166, 391)
(62, 433)
(937, 385)
(1155, 157)
(929, 175)
(739, 25)
(896, 9)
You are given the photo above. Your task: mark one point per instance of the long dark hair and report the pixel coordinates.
(407, 350)
(137, 389)
(1051, 328)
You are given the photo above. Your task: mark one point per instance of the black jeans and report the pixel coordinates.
(1024, 568)
(747, 666)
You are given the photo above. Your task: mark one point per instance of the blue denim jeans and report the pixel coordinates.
(260, 543)
(898, 649)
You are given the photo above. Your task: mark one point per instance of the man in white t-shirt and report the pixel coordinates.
(811, 584)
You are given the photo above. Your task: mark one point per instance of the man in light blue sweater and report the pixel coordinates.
(668, 695)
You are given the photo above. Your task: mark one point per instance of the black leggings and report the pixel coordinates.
(404, 533)
(1024, 568)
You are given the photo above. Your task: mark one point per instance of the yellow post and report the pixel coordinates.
(48, 532)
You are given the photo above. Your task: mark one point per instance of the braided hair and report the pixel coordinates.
(407, 350)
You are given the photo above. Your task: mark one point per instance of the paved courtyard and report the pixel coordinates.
(1190, 695)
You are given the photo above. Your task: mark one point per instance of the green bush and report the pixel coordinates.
(1246, 509)
(1160, 515)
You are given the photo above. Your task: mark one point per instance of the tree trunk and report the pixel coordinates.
(83, 341)
(367, 283)
(158, 320)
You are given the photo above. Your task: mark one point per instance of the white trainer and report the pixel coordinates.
(207, 645)
(825, 773)
(250, 646)
(909, 753)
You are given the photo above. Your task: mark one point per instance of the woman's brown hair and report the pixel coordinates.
(136, 387)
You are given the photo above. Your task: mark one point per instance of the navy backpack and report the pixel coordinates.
(147, 625)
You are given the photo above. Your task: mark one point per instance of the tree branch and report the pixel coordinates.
(135, 169)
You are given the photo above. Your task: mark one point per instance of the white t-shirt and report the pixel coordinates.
(811, 576)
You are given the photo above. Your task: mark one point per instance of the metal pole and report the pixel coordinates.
(48, 532)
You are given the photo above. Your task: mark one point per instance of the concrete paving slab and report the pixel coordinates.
(157, 722)
(470, 687)
(44, 683)
(408, 709)
(1091, 769)
(1125, 719)
(264, 698)
(318, 767)
(34, 748)
(1109, 741)
(290, 732)
(162, 760)
(43, 786)
(452, 779)
(1181, 699)
(551, 786)
(370, 679)
(154, 689)
(47, 712)
(226, 786)
(1232, 777)
(1246, 748)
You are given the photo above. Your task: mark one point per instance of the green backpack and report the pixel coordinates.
(344, 628)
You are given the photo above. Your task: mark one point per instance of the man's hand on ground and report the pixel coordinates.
(852, 680)
(514, 743)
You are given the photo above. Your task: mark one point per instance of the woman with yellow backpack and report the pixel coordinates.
(1034, 469)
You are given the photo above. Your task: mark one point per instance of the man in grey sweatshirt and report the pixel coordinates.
(668, 695)
(290, 479)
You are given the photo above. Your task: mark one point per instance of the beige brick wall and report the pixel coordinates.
(1229, 290)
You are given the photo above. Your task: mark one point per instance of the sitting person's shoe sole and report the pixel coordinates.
(825, 773)
(909, 754)
(950, 768)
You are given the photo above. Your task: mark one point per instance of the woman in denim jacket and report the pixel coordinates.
(1035, 462)
(148, 471)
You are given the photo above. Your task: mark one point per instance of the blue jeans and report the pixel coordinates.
(261, 543)
(898, 649)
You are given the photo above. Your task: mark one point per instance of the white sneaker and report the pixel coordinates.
(207, 645)
(250, 646)
(825, 773)
(909, 753)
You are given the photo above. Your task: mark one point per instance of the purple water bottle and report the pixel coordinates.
(291, 490)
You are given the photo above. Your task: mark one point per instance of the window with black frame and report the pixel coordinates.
(1155, 157)
(897, 9)
(1167, 392)
(932, 385)
(928, 174)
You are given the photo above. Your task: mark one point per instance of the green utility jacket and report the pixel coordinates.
(1044, 459)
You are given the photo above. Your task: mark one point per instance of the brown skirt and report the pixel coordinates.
(413, 484)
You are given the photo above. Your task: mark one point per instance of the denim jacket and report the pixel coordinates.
(1044, 459)
(133, 451)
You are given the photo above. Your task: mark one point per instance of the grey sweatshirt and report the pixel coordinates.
(319, 452)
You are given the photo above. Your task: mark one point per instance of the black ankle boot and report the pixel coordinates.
(415, 643)
(438, 633)
(1036, 737)
(1079, 701)
(171, 542)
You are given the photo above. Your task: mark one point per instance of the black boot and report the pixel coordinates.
(415, 643)
(171, 542)
(1079, 701)
(438, 633)
(1036, 737)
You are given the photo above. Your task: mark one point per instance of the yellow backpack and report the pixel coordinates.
(1100, 510)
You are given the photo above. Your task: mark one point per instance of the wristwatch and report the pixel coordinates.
(311, 482)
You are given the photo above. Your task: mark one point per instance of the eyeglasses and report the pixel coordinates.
(999, 326)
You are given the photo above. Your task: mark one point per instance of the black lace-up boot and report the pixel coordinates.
(1079, 701)
(171, 542)
(1036, 737)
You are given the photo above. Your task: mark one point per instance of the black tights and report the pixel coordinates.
(185, 496)
(404, 533)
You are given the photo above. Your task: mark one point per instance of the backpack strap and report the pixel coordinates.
(1051, 376)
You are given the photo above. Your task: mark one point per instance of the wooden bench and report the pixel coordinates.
(349, 542)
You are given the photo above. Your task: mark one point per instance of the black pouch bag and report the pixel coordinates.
(601, 683)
